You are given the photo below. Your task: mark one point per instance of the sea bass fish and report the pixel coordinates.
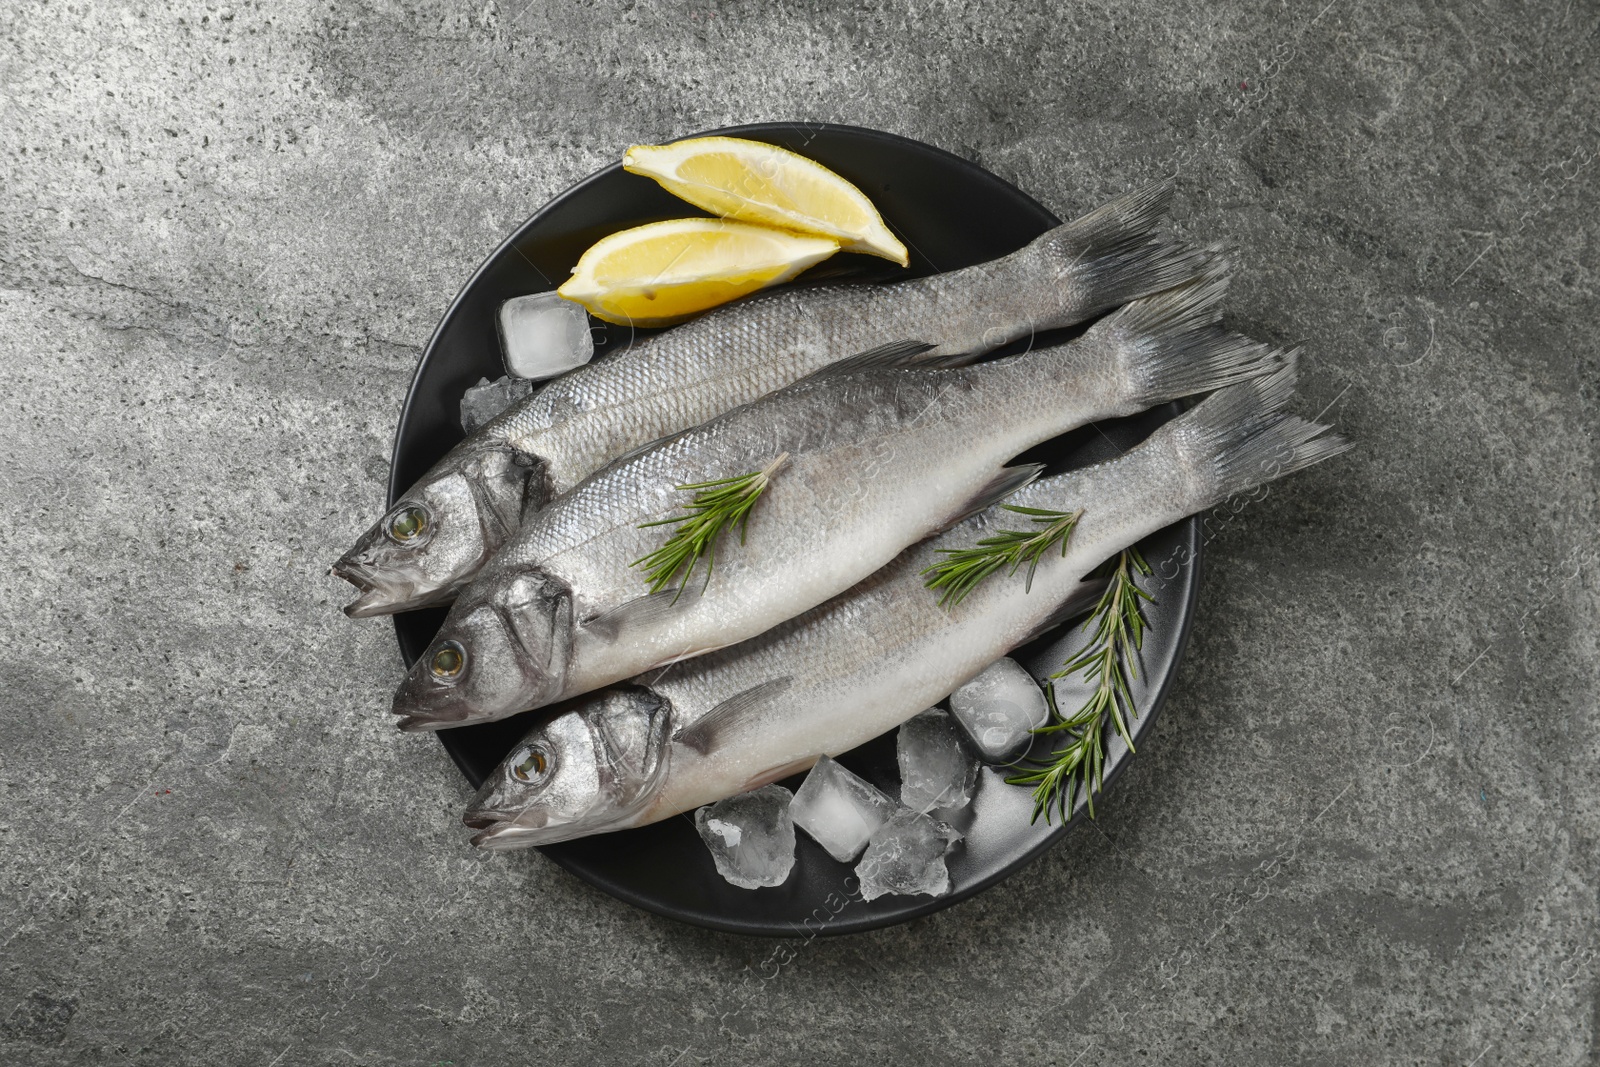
(859, 665)
(457, 515)
(876, 460)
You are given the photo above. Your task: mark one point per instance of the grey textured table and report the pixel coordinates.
(1365, 828)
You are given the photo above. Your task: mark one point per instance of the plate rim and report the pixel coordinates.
(837, 926)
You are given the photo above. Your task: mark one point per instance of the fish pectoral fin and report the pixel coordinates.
(687, 654)
(729, 719)
(779, 773)
(1083, 598)
(893, 354)
(1007, 480)
(640, 612)
(647, 446)
(536, 493)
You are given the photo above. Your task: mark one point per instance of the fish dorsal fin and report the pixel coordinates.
(729, 719)
(1007, 480)
(613, 623)
(884, 357)
(1082, 599)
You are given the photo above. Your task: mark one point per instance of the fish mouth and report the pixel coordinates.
(413, 719)
(374, 596)
(421, 724)
(368, 605)
(493, 838)
(357, 574)
(421, 705)
(371, 598)
(500, 831)
(484, 819)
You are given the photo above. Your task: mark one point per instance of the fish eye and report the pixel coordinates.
(408, 524)
(529, 764)
(448, 661)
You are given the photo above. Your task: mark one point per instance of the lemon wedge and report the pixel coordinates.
(664, 272)
(762, 183)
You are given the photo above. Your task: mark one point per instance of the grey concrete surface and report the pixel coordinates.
(1365, 828)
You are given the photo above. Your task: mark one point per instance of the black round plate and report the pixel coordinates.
(951, 214)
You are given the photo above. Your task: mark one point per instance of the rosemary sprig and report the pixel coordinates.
(716, 506)
(1110, 662)
(963, 568)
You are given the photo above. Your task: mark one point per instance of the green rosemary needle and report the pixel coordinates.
(963, 568)
(716, 506)
(1110, 663)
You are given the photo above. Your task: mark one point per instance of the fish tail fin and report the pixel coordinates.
(1110, 255)
(1240, 438)
(1170, 346)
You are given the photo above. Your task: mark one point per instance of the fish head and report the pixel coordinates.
(442, 530)
(594, 767)
(502, 649)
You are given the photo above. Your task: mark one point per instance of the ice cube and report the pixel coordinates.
(998, 708)
(935, 771)
(751, 836)
(839, 810)
(484, 401)
(544, 335)
(906, 856)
